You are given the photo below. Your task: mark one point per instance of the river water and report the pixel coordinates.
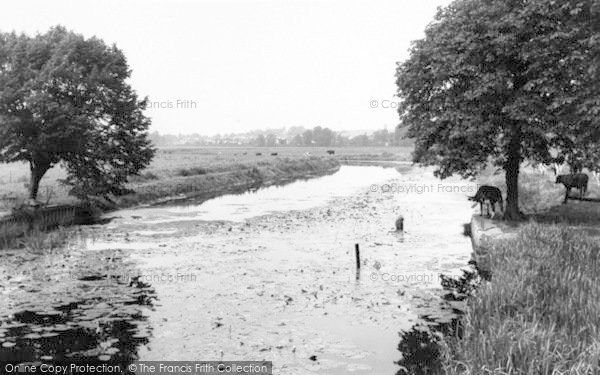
(265, 275)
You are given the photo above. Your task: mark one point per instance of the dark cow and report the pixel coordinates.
(575, 180)
(489, 194)
(331, 152)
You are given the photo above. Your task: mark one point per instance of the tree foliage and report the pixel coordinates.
(64, 99)
(500, 81)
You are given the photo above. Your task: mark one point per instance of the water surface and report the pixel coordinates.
(268, 275)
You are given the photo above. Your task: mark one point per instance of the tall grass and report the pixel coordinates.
(35, 240)
(540, 314)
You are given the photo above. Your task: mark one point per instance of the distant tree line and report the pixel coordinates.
(297, 136)
(325, 137)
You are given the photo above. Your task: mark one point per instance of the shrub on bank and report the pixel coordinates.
(195, 171)
(540, 314)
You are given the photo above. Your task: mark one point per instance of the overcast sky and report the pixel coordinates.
(235, 65)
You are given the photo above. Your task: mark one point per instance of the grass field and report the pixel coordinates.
(178, 163)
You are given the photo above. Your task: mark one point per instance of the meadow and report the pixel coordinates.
(177, 164)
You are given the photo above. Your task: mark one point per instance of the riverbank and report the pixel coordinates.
(265, 275)
(239, 178)
(199, 184)
(174, 163)
(540, 311)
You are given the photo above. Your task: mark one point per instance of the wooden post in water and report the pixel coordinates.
(357, 257)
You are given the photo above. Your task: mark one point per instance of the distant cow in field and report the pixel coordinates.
(331, 152)
(258, 153)
(273, 154)
(575, 180)
(489, 195)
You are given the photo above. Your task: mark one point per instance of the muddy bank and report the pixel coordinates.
(484, 231)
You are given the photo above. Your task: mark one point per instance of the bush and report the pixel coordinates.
(195, 171)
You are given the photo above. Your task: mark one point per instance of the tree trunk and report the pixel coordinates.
(38, 170)
(511, 169)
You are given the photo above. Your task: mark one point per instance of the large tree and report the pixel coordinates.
(65, 99)
(500, 81)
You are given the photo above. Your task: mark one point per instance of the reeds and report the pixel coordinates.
(540, 314)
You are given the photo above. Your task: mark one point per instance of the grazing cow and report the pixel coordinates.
(258, 153)
(489, 194)
(331, 152)
(273, 154)
(575, 180)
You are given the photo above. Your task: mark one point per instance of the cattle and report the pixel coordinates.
(273, 154)
(331, 152)
(574, 180)
(490, 194)
(258, 153)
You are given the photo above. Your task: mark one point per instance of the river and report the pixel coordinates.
(264, 275)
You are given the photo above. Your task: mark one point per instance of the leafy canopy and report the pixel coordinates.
(490, 71)
(64, 99)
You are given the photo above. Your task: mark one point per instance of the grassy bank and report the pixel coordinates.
(177, 175)
(177, 163)
(198, 181)
(540, 314)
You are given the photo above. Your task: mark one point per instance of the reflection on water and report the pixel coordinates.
(419, 347)
(272, 276)
(72, 305)
(299, 195)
